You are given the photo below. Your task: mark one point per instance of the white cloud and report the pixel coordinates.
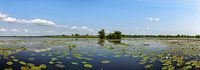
(15, 30)
(6, 18)
(51, 31)
(62, 26)
(26, 30)
(84, 27)
(91, 30)
(41, 22)
(151, 19)
(156, 19)
(73, 27)
(3, 16)
(3, 29)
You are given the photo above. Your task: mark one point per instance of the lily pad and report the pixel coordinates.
(25, 68)
(31, 59)
(60, 65)
(105, 61)
(74, 63)
(43, 66)
(148, 66)
(87, 65)
(8, 69)
(30, 64)
(9, 62)
(15, 60)
(50, 62)
(84, 62)
(35, 68)
(22, 62)
(54, 59)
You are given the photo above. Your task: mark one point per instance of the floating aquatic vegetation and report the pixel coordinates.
(9, 62)
(65, 53)
(188, 67)
(84, 62)
(60, 65)
(50, 62)
(105, 61)
(31, 59)
(54, 59)
(85, 58)
(15, 60)
(8, 69)
(22, 62)
(86, 65)
(30, 64)
(148, 66)
(74, 63)
(77, 55)
(43, 66)
(56, 53)
(117, 56)
(50, 55)
(59, 62)
(42, 54)
(25, 68)
(35, 68)
(142, 62)
(12, 57)
(170, 67)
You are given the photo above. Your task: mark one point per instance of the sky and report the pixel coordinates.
(135, 17)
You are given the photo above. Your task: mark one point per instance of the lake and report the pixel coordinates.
(21, 53)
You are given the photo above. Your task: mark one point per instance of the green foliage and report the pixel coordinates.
(102, 34)
(115, 35)
(161, 36)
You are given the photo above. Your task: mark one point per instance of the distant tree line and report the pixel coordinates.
(73, 36)
(162, 36)
(114, 35)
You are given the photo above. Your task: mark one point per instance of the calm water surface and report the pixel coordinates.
(91, 54)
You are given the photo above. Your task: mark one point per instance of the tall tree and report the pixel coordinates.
(102, 34)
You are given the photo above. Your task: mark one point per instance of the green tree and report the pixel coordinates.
(115, 35)
(118, 34)
(77, 35)
(102, 34)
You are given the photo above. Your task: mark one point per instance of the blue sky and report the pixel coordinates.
(42, 17)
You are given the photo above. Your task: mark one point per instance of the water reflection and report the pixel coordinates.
(115, 42)
(101, 42)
